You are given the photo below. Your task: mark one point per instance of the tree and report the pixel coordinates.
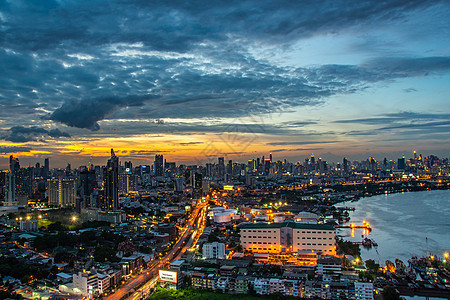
(105, 253)
(57, 226)
(126, 248)
(372, 266)
(390, 293)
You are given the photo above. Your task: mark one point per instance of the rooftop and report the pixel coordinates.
(289, 224)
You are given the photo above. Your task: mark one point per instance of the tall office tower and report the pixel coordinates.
(14, 164)
(46, 170)
(198, 181)
(178, 184)
(209, 170)
(230, 168)
(61, 192)
(312, 160)
(270, 157)
(159, 165)
(187, 177)
(345, 164)
(267, 166)
(221, 166)
(110, 182)
(401, 163)
(10, 190)
(128, 165)
(88, 182)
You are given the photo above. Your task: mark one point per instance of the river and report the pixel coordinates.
(402, 223)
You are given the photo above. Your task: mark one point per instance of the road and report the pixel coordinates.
(138, 286)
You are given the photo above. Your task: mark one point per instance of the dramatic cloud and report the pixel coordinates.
(85, 114)
(300, 143)
(114, 68)
(20, 134)
(9, 150)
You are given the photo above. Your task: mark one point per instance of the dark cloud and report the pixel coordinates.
(191, 143)
(180, 25)
(86, 113)
(9, 149)
(300, 143)
(85, 63)
(21, 134)
(397, 118)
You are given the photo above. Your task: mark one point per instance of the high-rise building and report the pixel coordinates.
(401, 163)
(88, 182)
(198, 181)
(110, 182)
(221, 166)
(46, 170)
(345, 164)
(230, 167)
(10, 190)
(14, 164)
(159, 165)
(61, 192)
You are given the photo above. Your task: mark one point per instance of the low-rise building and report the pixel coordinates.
(214, 250)
(86, 282)
(363, 290)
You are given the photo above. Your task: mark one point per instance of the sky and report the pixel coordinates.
(195, 80)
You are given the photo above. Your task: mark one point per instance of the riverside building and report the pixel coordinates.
(288, 237)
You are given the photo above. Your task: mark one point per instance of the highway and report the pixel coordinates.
(139, 286)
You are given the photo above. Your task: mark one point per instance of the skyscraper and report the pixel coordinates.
(14, 164)
(61, 192)
(110, 181)
(46, 171)
(159, 165)
(401, 163)
(221, 166)
(10, 190)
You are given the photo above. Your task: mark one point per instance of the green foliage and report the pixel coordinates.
(390, 293)
(88, 238)
(349, 248)
(49, 242)
(105, 253)
(12, 267)
(64, 257)
(9, 295)
(57, 226)
(190, 294)
(94, 224)
(112, 237)
(372, 266)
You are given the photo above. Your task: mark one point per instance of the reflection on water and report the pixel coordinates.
(401, 222)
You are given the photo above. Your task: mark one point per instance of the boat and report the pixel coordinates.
(400, 265)
(390, 266)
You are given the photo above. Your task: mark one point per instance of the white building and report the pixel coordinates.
(85, 282)
(214, 250)
(288, 237)
(363, 291)
(103, 282)
(306, 217)
(329, 265)
(287, 287)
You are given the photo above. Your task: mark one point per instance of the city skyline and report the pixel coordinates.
(238, 80)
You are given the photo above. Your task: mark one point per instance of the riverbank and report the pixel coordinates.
(404, 224)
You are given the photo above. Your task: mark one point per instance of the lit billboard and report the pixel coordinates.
(168, 276)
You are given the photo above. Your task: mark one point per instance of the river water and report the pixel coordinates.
(402, 224)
